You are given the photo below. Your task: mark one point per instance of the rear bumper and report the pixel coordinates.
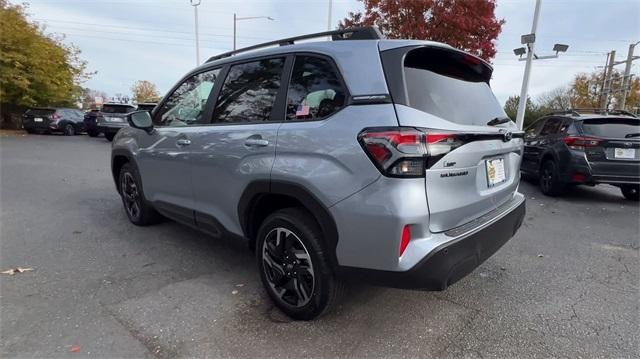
(581, 171)
(451, 261)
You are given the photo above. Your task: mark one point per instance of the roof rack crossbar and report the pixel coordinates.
(356, 33)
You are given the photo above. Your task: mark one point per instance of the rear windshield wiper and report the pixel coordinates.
(498, 121)
(629, 135)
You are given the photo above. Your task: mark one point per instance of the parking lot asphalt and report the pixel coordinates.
(567, 285)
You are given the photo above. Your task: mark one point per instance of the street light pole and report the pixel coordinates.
(195, 4)
(527, 70)
(236, 19)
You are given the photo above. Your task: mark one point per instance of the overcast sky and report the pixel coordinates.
(153, 40)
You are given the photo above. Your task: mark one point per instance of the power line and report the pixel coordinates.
(148, 29)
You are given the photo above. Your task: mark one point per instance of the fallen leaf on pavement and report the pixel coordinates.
(13, 271)
(74, 348)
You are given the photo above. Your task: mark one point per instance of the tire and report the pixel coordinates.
(93, 133)
(109, 136)
(631, 192)
(69, 130)
(293, 266)
(138, 210)
(549, 179)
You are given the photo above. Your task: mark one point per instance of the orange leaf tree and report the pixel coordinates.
(470, 25)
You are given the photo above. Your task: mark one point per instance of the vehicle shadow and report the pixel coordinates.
(578, 193)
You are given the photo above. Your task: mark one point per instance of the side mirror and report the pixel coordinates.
(141, 120)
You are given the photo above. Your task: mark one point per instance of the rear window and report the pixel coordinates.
(146, 107)
(451, 85)
(612, 127)
(40, 111)
(117, 109)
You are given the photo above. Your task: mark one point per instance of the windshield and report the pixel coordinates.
(117, 109)
(612, 127)
(451, 85)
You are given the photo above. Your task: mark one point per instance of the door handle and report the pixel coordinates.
(183, 142)
(256, 142)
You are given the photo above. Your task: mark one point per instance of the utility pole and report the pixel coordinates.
(195, 4)
(626, 80)
(604, 81)
(527, 69)
(607, 81)
(234, 30)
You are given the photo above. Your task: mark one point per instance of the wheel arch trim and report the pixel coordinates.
(252, 193)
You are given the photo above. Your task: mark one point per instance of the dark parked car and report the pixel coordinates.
(108, 120)
(48, 120)
(584, 147)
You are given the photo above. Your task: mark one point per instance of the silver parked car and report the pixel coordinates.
(385, 161)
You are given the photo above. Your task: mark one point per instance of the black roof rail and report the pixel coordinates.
(603, 112)
(565, 112)
(354, 33)
(580, 111)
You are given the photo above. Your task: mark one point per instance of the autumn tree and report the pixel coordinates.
(466, 24)
(36, 69)
(145, 91)
(586, 89)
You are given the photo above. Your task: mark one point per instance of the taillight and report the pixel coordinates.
(581, 142)
(396, 151)
(407, 151)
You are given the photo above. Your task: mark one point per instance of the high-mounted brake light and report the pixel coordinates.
(581, 142)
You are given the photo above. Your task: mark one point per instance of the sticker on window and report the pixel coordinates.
(302, 110)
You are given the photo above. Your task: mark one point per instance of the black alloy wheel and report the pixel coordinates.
(288, 267)
(130, 196)
(69, 130)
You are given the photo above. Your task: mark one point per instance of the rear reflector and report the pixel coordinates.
(404, 240)
(578, 177)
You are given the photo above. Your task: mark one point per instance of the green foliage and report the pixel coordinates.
(532, 111)
(36, 69)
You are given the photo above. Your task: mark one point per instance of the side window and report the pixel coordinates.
(186, 105)
(551, 127)
(315, 90)
(534, 129)
(249, 92)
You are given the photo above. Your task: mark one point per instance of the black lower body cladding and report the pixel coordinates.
(450, 262)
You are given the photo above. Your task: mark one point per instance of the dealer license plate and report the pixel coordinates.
(495, 171)
(626, 153)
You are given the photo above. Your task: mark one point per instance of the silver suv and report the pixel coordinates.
(385, 161)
